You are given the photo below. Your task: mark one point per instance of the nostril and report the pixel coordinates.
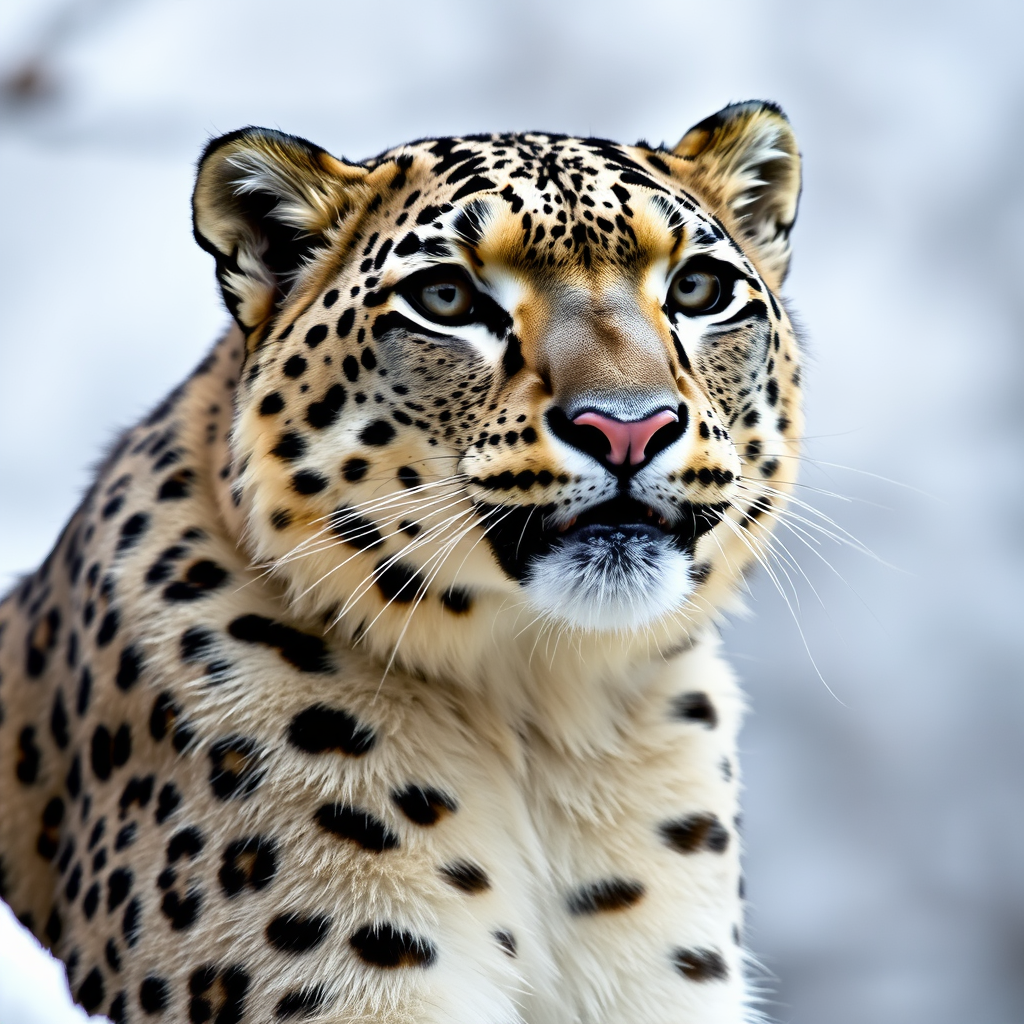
(627, 439)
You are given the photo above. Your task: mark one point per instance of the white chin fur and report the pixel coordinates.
(610, 582)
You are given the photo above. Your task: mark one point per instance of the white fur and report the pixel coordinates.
(617, 582)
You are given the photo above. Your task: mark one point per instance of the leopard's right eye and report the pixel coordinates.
(446, 298)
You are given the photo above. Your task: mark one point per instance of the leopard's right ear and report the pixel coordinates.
(264, 202)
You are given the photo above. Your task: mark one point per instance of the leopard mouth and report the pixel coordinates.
(522, 535)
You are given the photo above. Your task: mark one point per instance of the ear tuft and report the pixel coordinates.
(264, 202)
(745, 160)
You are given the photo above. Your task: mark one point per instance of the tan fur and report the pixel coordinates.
(225, 532)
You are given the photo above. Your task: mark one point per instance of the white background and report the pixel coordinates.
(884, 829)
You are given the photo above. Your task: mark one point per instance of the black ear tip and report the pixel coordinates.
(260, 137)
(734, 110)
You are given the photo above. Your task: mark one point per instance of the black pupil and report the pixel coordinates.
(446, 293)
(689, 283)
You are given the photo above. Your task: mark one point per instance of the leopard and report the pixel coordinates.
(379, 675)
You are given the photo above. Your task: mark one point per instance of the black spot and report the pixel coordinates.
(234, 983)
(354, 469)
(128, 667)
(182, 911)
(113, 955)
(163, 717)
(201, 578)
(54, 926)
(73, 884)
(294, 367)
(700, 964)
(177, 485)
(307, 481)
(251, 861)
(119, 884)
(196, 643)
(130, 921)
(271, 404)
(101, 752)
(301, 1003)
(321, 728)
(306, 652)
(397, 581)
(316, 334)
(409, 477)
(424, 805)
(121, 748)
(377, 434)
(188, 842)
(27, 769)
(98, 831)
(350, 366)
(164, 565)
(507, 941)
(457, 600)
(73, 781)
(90, 993)
(355, 530)
(280, 519)
(358, 825)
(167, 802)
(608, 894)
(117, 1012)
(466, 876)
(132, 529)
(323, 413)
(84, 691)
(290, 446)
(153, 994)
(127, 834)
(112, 507)
(91, 901)
(136, 791)
(384, 945)
(695, 832)
(297, 933)
(695, 707)
(234, 768)
(345, 322)
(108, 628)
(59, 720)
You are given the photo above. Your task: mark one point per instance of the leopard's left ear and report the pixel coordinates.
(745, 161)
(264, 203)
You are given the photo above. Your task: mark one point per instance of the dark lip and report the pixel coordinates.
(520, 534)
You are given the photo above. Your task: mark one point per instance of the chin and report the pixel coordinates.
(610, 578)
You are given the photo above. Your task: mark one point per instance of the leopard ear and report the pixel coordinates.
(745, 160)
(264, 202)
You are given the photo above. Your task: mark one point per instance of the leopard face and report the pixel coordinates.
(530, 376)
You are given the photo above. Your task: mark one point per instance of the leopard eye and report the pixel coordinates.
(444, 298)
(696, 292)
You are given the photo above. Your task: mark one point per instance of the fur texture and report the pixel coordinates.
(367, 683)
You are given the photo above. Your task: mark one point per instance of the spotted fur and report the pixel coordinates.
(367, 683)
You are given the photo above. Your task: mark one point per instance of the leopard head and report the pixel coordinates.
(539, 379)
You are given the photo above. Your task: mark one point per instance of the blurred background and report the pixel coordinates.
(884, 757)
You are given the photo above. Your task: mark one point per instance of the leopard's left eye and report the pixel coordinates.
(442, 294)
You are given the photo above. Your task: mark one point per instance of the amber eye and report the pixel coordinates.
(696, 292)
(444, 297)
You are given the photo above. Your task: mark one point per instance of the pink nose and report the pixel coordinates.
(627, 438)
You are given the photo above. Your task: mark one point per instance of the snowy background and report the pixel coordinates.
(885, 824)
